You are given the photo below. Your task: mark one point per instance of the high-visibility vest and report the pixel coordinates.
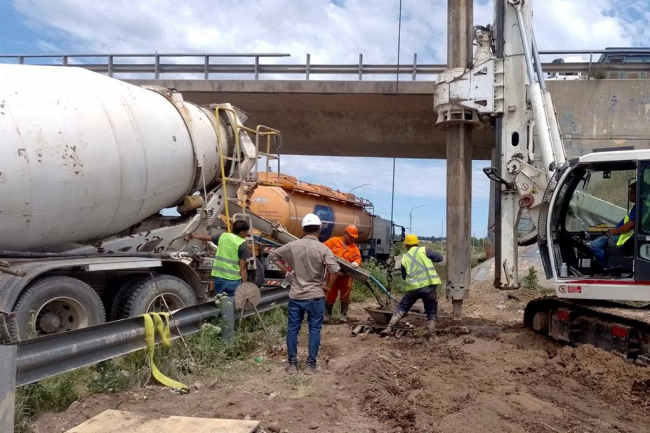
(226, 260)
(420, 271)
(627, 235)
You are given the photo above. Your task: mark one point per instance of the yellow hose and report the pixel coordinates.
(160, 322)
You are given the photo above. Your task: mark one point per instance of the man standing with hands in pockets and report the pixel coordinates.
(309, 260)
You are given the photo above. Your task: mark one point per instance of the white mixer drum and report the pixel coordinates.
(84, 156)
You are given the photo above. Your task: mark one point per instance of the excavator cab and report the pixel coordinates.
(585, 200)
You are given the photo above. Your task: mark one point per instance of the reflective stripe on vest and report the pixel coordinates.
(627, 235)
(420, 271)
(226, 260)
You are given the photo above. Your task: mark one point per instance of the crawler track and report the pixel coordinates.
(612, 326)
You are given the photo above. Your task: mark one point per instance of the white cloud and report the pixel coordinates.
(331, 33)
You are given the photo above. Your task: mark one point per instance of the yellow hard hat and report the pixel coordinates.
(411, 240)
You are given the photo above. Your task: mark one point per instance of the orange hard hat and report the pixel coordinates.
(352, 231)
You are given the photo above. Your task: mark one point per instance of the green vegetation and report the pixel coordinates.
(530, 280)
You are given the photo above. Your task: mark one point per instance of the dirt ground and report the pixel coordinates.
(498, 378)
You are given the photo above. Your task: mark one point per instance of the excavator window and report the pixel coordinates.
(595, 201)
(645, 200)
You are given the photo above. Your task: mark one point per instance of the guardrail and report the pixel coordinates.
(136, 64)
(40, 358)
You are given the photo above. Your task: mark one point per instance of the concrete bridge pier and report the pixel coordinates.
(459, 164)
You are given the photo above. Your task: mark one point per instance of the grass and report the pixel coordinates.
(204, 352)
(303, 385)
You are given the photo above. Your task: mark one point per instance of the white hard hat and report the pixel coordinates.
(311, 220)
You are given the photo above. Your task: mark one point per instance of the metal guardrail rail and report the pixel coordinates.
(140, 64)
(44, 357)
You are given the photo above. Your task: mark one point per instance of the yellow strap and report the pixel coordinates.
(160, 322)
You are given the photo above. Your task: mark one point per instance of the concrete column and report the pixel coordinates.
(459, 164)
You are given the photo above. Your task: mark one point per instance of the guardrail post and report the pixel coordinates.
(21, 60)
(257, 67)
(110, 66)
(157, 67)
(307, 66)
(65, 60)
(360, 66)
(228, 314)
(7, 388)
(415, 66)
(591, 56)
(206, 70)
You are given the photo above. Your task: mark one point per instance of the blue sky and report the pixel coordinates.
(332, 31)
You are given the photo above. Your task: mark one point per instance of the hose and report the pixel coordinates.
(160, 322)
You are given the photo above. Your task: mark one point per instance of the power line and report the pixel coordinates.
(399, 40)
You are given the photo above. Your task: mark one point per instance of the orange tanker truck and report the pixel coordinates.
(286, 200)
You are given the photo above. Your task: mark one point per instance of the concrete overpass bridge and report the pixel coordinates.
(357, 118)
(380, 118)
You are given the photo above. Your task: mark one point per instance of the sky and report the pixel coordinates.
(331, 31)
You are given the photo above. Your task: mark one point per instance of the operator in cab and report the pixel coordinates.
(618, 236)
(229, 269)
(344, 247)
(422, 282)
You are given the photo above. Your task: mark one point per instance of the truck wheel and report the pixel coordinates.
(146, 296)
(57, 304)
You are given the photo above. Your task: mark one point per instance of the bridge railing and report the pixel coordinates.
(183, 63)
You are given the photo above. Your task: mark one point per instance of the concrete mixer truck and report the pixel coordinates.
(87, 164)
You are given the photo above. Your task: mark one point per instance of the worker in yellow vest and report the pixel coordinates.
(421, 283)
(229, 269)
(618, 236)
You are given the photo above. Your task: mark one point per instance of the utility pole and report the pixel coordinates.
(411, 217)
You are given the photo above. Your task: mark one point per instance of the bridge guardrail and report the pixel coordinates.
(137, 63)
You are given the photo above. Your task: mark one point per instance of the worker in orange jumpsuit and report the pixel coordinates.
(345, 248)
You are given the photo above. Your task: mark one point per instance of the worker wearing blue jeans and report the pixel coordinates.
(315, 309)
(306, 260)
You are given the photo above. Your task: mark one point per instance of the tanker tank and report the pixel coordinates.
(84, 156)
(285, 200)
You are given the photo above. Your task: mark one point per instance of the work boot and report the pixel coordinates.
(393, 321)
(431, 328)
(328, 314)
(344, 313)
(292, 369)
(313, 369)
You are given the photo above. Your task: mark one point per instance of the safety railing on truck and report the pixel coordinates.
(178, 63)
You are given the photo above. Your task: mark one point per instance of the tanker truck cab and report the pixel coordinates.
(584, 200)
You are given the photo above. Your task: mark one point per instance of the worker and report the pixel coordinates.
(618, 236)
(309, 260)
(229, 269)
(421, 283)
(345, 248)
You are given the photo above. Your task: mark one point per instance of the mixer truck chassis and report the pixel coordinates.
(56, 295)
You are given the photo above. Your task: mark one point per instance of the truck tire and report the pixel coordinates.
(145, 296)
(56, 304)
(116, 302)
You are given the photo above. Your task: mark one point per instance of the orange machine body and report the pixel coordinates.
(285, 200)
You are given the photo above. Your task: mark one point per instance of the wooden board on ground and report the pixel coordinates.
(114, 421)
